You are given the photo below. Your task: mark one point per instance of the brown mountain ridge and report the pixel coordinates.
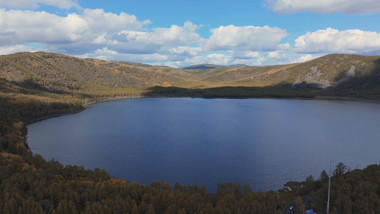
(334, 74)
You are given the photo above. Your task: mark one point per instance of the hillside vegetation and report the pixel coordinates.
(339, 75)
(68, 75)
(34, 86)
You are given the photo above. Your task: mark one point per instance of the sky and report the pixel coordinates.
(179, 33)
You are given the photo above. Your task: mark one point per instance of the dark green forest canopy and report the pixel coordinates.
(30, 184)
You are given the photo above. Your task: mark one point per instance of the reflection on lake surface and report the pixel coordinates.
(261, 142)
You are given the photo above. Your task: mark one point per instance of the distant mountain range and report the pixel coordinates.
(210, 66)
(346, 74)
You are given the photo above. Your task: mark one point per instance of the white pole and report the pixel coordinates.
(275, 202)
(328, 193)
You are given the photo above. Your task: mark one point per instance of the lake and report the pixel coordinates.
(260, 142)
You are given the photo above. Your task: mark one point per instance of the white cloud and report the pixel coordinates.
(95, 33)
(173, 36)
(160, 39)
(219, 59)
(20, 27)
(245, 38)
(100, 21)
(178, 61)
(245, 54)
(107, 54)
(32, 4)
(353, 41)
(98, 34)
(16, 48)
(185, 51)
(273, 54)
(324, 6)
(304, 58)
(104, 53)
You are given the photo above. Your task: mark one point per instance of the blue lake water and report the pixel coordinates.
(261, 142)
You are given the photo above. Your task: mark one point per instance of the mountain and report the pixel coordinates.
(202, 66)
(61, 72)
(331, 70)
(324, 72)
(210, 66)
(337, 74)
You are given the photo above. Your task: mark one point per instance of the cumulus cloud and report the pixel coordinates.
(160, 39)
(173, 36)
(219, 59)
(16, 48)
(107, 54)
(20, 27)
(96, 33)
(32, 4)
(304, 58)
(98, 20)
(245, 38)
(185, 51)
(273, 54)
(324, 6)
(99, 34)
(245, 54)
(330, 40)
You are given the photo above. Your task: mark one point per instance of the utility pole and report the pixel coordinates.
(328, 193)
(275, 202)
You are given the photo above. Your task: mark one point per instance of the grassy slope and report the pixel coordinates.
(67, 74)
(91, 77)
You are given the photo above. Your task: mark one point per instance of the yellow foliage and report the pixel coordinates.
(97, 64)
(26, 166)
(21, 101)
(118, 181)
(20, 145)
(10, 155)
(86, 182)
(280, 69)
(18, 125)
(166, 84)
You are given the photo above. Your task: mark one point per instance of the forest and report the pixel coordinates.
(30, 184)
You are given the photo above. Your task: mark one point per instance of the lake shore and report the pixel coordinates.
(270, 123)
(87, 104)
(106, 99)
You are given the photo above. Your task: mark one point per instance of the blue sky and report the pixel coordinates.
(179, 33)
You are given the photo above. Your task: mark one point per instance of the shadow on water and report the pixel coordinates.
(279, 91)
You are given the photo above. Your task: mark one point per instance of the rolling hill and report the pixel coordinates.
(210, 66)
(337, 74)
(328, 71)
(61, 72)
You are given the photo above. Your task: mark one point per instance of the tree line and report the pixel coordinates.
(30, 184)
